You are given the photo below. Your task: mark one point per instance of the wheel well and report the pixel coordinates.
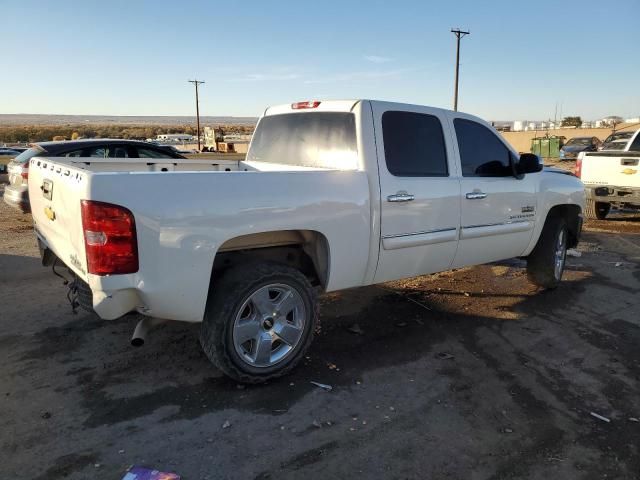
(305, 250)
(571, 213)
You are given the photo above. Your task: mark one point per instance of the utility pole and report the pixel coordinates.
(196, 83)
(459, 34)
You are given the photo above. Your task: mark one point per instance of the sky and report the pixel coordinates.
(135, 57)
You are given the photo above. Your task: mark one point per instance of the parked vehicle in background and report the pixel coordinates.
(332, 195)
(16, 193)
(575, 145)
(622, 141)
(9, 152)
(611, 179)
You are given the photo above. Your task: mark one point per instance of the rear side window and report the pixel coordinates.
(97, 152)
(635, 146)
(414, 145)
(75, 153)
(150, 153)
(482, 154)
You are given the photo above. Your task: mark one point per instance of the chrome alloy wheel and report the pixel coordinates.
(269, 325)
(560, 253)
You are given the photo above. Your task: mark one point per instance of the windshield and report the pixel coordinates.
(310, 139)
(574, 142)
(619, 136)
(25, 156)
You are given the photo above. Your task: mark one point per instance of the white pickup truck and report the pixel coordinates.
(611, 176)
(332, 195)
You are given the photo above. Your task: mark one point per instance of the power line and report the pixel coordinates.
(196, 83)
(459, 34)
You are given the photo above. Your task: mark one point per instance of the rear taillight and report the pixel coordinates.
(25, 171)
(578, 170)
(110, 238)
(301, 105)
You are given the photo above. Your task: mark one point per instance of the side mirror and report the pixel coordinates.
(529, 163)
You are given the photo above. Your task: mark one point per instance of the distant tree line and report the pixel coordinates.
(41, 133)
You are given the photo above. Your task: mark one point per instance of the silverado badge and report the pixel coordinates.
(628, 171)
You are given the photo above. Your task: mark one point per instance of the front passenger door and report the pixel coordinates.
(498, 211)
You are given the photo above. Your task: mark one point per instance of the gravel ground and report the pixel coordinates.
(465, 374)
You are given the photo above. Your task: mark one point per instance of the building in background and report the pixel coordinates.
(175, 137)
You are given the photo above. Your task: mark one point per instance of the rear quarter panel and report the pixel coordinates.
(182, 219)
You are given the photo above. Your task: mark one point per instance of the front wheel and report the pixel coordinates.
(259, 321)
(545, 264)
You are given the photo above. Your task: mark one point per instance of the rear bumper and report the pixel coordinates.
(17, 197)
(107, 304)
(613, 194)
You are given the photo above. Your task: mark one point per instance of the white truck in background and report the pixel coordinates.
(331, 195)
(611, 177)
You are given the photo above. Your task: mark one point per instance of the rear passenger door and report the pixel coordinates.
(498, 209)
(420, 191)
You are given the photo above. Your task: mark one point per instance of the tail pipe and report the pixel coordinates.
(142, 329)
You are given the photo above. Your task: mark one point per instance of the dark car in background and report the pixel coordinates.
(16, 194)
(575, 145)
(10, 151)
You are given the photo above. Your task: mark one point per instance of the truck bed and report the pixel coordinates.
(184, 212)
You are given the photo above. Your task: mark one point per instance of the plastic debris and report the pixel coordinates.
(355, 328)
(508, 430)
(323, 386)
(46, 415)
(316, 424)
(572, 252)
(467, 294)
(142, 473)
(226, 424)
(444, 356)
(618, 264)
(633, 419)
(600, 417)
(401, 324)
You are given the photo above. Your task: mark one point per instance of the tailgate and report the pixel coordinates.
(55, 191)
(605, 169)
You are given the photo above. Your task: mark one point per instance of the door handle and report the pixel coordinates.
(476, 195)
(629, 162)
(400, 197)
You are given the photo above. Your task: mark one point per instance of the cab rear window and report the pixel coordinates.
(313, 139)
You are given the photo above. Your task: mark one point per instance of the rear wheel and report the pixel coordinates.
(545, 264)
(259, 321)
(596, 210)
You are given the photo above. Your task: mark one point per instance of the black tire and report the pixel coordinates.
(228, 295)
(596, 210)
(541, 263)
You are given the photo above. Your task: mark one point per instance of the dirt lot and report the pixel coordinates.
(466, 374)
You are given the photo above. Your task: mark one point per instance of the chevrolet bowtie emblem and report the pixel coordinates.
(51, 215)
(628, 171)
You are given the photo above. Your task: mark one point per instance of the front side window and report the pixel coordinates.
(118, 151)
(635, 146)
(414, 145)
(482, 154)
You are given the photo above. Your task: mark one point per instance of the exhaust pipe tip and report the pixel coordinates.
(141, 330)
